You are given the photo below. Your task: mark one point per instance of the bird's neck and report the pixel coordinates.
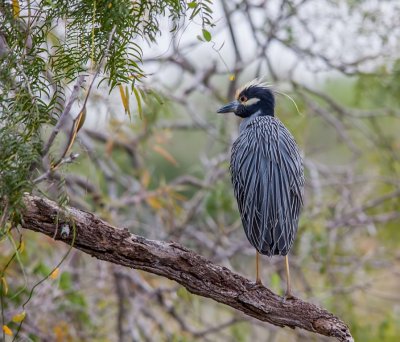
(262, 108)
(247, 119)
(261, 112)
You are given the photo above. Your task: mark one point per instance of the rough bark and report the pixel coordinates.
(171, 260)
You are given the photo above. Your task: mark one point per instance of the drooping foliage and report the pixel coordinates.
(46, 45)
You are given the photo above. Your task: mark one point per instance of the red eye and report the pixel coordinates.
(242, 98)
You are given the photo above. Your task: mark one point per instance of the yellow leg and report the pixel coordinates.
(258, 279)
(288, 293)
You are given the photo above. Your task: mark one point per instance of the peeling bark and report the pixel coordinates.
(173, 261)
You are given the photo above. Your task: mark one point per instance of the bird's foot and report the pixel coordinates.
(259, 282)
(288, 296)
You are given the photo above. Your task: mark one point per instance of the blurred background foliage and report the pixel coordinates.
(152, 155)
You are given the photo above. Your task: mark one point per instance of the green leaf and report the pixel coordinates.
(77, 299)
(275, 282)
(192, 4)
(184, 294)
(42, 269)
(65, 281)
(206, 35)
(195, 12)
(157, 97)
(139, 102)
(240, 332)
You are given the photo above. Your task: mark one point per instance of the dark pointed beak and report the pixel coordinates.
(230, 107)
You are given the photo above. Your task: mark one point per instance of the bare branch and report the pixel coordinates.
(64, 114)
(168, 259)
(66, 160)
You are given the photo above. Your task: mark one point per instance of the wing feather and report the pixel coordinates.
(268, 180)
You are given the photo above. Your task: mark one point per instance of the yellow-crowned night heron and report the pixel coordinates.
(267, 174)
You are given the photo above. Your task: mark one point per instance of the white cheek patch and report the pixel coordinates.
(252, 101)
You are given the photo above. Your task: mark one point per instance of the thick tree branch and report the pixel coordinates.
(168, 259)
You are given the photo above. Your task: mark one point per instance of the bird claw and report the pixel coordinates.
(287, 296)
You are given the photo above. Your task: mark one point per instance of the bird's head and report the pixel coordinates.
(253, 98)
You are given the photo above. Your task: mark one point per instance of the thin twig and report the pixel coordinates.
(64, 114)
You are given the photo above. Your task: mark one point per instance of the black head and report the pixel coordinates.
(254, 97)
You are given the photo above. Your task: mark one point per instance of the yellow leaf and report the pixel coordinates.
(7, 330)
(62, 332)
(145, 179)
(154, 202)
(122, 93)
(177, 196)
(78, 123)
(19, 317)
(55, 273)
(81, 119)
(21, 246)
(109, 146)
(5, 285)
(110, 5)
(16, 8)
(231, 77)
(125, 99)
(163, 152)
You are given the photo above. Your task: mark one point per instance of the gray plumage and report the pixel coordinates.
(267, 173)
(268, 180)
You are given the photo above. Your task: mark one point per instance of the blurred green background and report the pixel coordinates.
(164, 174)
